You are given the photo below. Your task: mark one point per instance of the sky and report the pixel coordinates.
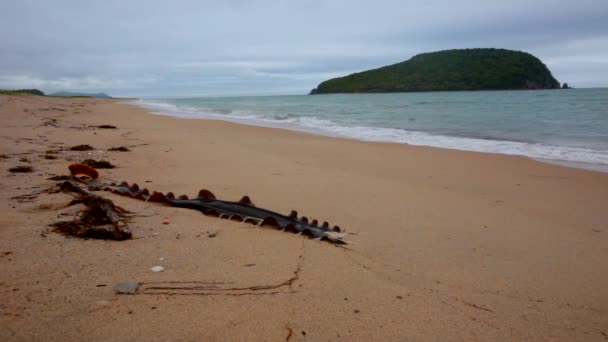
(260, 47)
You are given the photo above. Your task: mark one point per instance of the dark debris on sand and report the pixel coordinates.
(119, 149)
(59, 178)
(98, 164)
(82, 148)
(21, 169)
(100, 220)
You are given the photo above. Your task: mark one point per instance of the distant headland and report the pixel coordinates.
(21, 91)
(75, 94)
(58, 94)
(460, 69)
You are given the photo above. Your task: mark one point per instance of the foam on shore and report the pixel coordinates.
(578, 157)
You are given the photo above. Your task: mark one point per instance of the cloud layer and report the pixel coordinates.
(188, 48)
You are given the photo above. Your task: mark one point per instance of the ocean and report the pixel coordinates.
(568, 127)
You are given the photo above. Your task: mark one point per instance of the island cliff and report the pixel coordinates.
(462, 69)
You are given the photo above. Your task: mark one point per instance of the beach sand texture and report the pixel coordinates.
(445, 245)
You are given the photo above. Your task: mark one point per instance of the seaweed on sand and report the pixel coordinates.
(83, 147)
(100, 220)
(98, 164)
(119, 149)
(21, 169)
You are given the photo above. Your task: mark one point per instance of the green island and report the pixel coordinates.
(460, 69)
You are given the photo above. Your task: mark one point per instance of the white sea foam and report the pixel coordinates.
(565, 155)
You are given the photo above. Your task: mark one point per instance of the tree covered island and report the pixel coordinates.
(461, 69)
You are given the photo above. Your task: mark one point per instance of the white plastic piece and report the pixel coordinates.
(157, 269)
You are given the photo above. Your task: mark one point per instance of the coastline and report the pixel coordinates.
(464, 245)
(298, 114)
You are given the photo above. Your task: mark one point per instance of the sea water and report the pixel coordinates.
(565, 126)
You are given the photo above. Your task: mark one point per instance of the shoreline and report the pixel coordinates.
(421, 138)
(444, 244)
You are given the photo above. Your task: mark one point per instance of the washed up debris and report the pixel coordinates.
(243, 210)
(21, 169)
(101, 220)
(106, 126)
(126, 287)
(157, 269)
(81, 169)
(82, 148)
(98, 164)
(119, 149)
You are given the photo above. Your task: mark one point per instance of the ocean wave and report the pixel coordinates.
(571, 156)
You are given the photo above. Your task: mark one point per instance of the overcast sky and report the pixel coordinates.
(239, 47)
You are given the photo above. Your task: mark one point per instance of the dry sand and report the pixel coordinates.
(446, 245)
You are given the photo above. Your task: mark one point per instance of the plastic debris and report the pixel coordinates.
(157, 269)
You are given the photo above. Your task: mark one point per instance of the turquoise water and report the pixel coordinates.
(567, 126)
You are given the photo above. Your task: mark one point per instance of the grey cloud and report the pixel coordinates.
(157, 48)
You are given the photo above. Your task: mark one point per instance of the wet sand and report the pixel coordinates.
(445, 245)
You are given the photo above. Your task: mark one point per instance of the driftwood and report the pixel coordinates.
(101, 220)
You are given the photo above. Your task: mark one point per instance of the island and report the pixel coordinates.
(459, 69)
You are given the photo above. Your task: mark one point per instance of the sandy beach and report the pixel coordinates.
(444, 245)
